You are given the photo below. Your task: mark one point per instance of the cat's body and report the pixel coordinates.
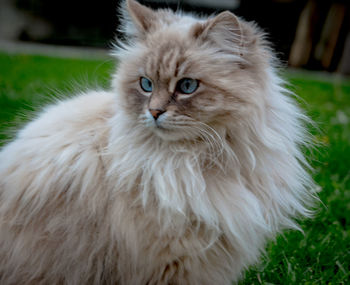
(101, 232)
(132, 186)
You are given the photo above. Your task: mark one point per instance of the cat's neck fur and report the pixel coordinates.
(187, 182)
(253, 170)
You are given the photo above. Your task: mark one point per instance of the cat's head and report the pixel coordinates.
(180, 75)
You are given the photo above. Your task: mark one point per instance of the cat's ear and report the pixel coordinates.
(226, 30)
(142, 17)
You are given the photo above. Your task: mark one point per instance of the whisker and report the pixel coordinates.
(215, 143)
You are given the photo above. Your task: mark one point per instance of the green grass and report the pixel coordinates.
(29, 82)
(319, 256)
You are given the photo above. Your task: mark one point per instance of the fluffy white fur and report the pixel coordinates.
(91, 194)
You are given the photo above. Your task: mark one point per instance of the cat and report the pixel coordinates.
(178, 174)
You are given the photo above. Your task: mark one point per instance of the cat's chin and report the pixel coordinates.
(166, 129)
(171, 135)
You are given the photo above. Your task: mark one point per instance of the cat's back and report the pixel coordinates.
(61, 135)
(66, 137)
(81, 119)
(66, 140)
(73, 118)
(52, 178)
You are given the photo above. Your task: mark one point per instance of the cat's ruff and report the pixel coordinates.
(158, 183)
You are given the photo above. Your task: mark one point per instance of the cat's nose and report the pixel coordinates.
(156, 113)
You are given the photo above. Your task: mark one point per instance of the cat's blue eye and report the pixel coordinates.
(146, 84)
(187, 85)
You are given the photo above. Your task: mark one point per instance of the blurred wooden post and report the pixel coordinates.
(325, 48)
(302, 45)
(344, 66)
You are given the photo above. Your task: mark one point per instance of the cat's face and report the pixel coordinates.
(182, 75)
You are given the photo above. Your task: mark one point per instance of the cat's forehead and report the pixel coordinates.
(168, 21)
(170, 53)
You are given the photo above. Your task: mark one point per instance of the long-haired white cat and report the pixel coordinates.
(179, 174)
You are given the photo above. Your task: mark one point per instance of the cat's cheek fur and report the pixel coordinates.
(134, 101)
(205, 107)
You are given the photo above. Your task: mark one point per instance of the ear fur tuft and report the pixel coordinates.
(224, 28)
(142, 16)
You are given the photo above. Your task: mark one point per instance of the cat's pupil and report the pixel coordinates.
(187, 85)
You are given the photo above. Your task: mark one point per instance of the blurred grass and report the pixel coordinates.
(322, 255)
(28, 83)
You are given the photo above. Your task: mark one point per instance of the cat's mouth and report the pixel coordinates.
(170, 128)
(166, 131)
(158, 125)
(165, 127)
(155, 123)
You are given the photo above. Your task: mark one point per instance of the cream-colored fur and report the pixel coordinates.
(95, 192)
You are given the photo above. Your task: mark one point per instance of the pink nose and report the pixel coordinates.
(156, 113)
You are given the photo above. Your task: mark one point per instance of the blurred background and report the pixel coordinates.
(306, 34)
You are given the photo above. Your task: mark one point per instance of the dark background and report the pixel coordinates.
(305, 33)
